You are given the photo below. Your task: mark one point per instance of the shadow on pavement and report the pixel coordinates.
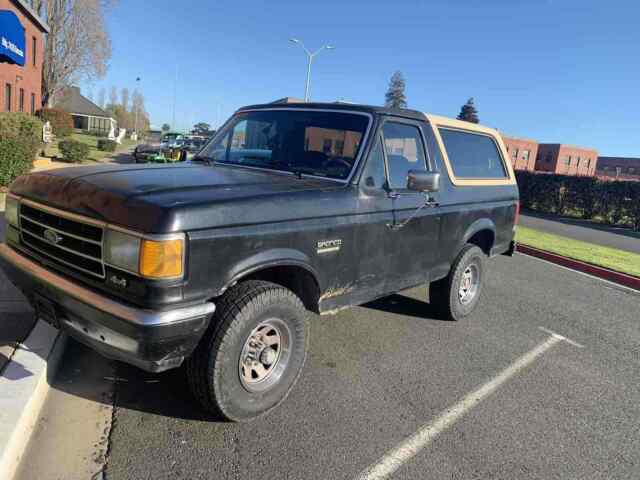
(404, 305)
(16, 372)
(167, 394)
(122, 158)
(625, 231)
(84, 373)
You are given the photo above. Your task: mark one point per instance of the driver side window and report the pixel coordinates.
(404, 149)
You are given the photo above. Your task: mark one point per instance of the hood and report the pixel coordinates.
(166, 198)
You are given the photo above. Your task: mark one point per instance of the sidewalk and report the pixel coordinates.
(583, 230)
(16, 316)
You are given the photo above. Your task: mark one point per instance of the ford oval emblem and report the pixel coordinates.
(52, 237)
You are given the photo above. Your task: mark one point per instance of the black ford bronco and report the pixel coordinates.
(288, 209)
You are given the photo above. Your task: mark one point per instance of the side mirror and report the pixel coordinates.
(423, 181)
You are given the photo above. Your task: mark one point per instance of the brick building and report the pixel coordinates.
(618, 168)
(522, 152)
(21, 55)
(566, 159)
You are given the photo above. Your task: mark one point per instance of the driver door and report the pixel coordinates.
(415, 231)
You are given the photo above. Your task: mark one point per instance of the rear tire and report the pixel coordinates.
(253, 352)
(456, 296)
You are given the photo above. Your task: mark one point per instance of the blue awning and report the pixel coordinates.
(12, 43)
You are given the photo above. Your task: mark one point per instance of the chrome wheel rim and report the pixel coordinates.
(469, 284)
(265, 355)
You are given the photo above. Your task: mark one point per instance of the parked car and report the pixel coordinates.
(294, 209)
(168, 149)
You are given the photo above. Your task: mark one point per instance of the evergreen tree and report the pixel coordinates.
(395, 96)
(468, 112)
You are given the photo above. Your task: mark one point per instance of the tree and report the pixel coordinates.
(137, 106)
(201, 128)
(113, 96)
(101, 97)
(468, 112)
(90, 95)
(78, 45)
(124, 95)
(395, 96)
(166, 127)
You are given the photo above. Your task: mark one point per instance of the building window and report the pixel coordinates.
(525, 155)
(327, 145)
(7, 97)
(514, 155)
(566, 160)
(631, 171)
(33, 104)
(21, 100)
(34, 44)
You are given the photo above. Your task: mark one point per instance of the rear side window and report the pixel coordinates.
(472, 155)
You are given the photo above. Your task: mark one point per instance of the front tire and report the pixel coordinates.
(456, 296)
(253, 353)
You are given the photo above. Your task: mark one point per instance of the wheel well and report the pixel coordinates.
(483, 239)
(297, 279)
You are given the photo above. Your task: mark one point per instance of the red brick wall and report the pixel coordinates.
(31, 76)
(566, 159)
(518, 156)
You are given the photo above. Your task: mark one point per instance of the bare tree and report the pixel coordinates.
(90, 95)
(124, 96)
(113, 96)
(78, 45)
(102, 97)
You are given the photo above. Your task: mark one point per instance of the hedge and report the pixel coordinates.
(61, 121)
(14, 160)
(613, 202)
(73, 151)
(107, 145)
(20, 139)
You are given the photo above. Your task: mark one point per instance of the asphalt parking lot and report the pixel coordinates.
(540, 407)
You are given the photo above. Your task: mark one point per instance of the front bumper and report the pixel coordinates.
(154, 340)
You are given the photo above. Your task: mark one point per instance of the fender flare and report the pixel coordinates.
(276, 257)
(477, 226)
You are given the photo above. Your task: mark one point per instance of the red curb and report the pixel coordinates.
(600, 272)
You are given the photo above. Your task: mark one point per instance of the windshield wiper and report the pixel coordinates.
(299, 171)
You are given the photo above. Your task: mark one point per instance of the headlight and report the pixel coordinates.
(11, 211)
(150, 258)
(122, 250)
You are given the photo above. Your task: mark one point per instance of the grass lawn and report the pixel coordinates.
(607, 257)
(95, 155)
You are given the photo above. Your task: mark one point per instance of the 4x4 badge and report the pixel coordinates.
(326, 246)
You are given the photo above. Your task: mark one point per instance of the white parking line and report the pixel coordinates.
(405, 451)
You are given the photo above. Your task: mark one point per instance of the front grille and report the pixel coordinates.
(66, 241)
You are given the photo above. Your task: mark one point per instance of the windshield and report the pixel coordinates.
(324, 144)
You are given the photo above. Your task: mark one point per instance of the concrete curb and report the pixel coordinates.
(23, 388)
(600, 272)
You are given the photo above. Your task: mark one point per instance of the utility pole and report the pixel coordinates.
(310, 57)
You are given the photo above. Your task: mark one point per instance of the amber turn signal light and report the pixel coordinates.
(162, 259)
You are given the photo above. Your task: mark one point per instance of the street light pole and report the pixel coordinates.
(137, 105)
(310, 57)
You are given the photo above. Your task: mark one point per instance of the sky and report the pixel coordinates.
(557, 71)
